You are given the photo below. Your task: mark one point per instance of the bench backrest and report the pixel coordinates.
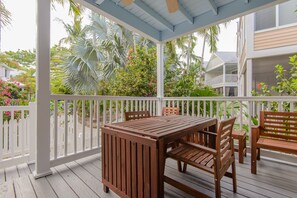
(279, 125)
(135, 115)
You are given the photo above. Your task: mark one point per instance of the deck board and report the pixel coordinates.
(76, 184)
(11, 173)
(23, 170)
(42, 187)
(7, 190)
(89, 179)
(82, 178)
(2, 176)
(59, 185)
(23, 187)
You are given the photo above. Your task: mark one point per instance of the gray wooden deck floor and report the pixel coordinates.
(82, 178)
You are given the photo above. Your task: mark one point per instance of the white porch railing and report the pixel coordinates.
(76, 121)
(229, 78)
(17, 134)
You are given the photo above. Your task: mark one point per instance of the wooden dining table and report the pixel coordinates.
(134, 152)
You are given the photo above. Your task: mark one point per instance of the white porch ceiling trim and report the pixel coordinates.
(215, 15)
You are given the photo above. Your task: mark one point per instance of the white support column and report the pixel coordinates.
(32, 131)
(160, 76)
(224, 80)
(42, 167)
(249, 77)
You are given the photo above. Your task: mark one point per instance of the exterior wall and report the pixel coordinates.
(271, 43)
(2, 72)
(272, 39)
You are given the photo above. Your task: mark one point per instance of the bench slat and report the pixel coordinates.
(278, 145)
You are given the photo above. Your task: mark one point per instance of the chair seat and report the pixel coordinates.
(193, 156)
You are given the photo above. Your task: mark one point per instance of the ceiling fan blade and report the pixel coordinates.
(172, 5)
(127, 2)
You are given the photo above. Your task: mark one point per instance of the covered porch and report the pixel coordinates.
(62, 143)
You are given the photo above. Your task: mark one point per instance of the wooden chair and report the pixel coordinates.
(135, 115)
(170, 111)
(214, 161)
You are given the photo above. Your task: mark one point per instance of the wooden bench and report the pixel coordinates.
(277, 131)
(241, 137)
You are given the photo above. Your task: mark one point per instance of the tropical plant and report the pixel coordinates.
(139, 76)
(81, 67)
(74, 31)
(5, 15)
(74, 7)
(286, 81)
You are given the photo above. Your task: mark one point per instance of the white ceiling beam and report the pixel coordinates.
(186, 14)
(213, 6)
(152, 13)
(121, 16)
(227, 12)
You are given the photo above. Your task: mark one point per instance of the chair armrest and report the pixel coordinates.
(208, 132)
(198, 146)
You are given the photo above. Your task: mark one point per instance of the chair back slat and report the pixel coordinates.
(224, 142)
(170, 111)
(279, 125)
(135, 115)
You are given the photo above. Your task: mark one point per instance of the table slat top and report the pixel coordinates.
(157, 127)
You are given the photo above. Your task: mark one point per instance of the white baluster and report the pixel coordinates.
(122, 110)
(91, 124)
(74, 127)
(110, 111)
(193, 111)
(84, 126)
(66, 128)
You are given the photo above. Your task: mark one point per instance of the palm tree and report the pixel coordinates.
(81, 67)
(5, 18)
(210, 36)
(113, 40)
(74, 31)
(74, 8)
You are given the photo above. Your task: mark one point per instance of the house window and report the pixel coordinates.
(265, 19)
(6, 73)
(282, 14)
(287, 14)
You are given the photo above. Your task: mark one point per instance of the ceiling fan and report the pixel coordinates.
(172, 5)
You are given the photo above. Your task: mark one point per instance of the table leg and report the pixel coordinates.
(162, 158)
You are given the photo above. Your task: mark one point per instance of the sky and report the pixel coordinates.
(21, 34)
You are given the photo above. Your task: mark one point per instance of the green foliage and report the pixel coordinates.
(139, 76)
(25, 58)
(286, 81)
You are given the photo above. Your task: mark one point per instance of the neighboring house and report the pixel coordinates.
(221, 73)
(5, 71)
(265, 38)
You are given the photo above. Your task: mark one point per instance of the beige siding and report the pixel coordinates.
(275, 38)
